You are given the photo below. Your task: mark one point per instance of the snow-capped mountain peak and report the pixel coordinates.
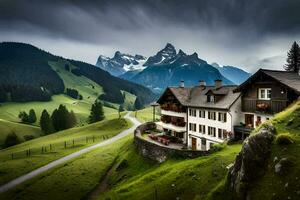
(121, 63)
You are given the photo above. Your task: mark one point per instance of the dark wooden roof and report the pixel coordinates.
(196, 96)
(289, 79)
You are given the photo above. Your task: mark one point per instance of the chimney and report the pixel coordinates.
(218, 83)
(182, 84)
(202, 83)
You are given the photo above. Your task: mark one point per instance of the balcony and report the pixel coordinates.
(171, 126)
(263, 106)
(173, 108)
(173, 113)
(176, 121)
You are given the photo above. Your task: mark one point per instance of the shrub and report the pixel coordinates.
(28, 118)
(218, 147)
(28, 137)
(284, 139)
(73, 93)
(24, 117)
(11, 140)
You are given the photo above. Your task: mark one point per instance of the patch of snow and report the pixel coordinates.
(132, 67)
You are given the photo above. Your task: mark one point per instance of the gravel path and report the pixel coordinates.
(55, 163)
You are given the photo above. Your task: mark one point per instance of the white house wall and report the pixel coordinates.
(236, 113)
(207, 122)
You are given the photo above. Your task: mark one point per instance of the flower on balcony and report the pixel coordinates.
(262, 106)
(227, 134)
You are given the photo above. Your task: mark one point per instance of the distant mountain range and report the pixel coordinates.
(168, 68)
(234, 74)
(26, 74)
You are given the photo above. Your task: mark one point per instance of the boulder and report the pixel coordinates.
(251, 162)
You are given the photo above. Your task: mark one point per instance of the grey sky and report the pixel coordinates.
(249, 34)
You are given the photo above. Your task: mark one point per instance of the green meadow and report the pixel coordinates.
(12, 168)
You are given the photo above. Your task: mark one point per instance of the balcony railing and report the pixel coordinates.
(170, 126)
(265, 106)
(176, 121)
(173, 107)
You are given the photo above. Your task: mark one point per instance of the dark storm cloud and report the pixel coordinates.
(96, 20)
(232, 32)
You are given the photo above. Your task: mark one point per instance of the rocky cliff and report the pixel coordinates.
(251, 162)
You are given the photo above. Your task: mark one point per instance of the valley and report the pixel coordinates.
(98, 156)
(149, 100)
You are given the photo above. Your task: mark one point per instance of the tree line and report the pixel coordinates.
(59, 120)
(25, 74)
(73, 93)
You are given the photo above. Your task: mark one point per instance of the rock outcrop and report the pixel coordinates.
(251, 162)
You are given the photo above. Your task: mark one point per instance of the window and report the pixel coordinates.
(264, 93)
(212, 131)
(258, 121)
(202, 113)
(202, 129)
(212, 115)
(192, 127)
(222, 133)
(210, 98)
(222, 117)
(193, 112)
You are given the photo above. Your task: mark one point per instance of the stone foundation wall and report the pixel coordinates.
(157, 152)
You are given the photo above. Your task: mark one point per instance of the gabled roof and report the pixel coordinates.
(196, 96)
(289, 79)
(218, 91)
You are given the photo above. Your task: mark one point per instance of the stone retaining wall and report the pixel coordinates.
(157, 152)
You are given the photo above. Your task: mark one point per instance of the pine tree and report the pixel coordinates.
(46, 123)
(63, 116)
(97, 113)
(121, 109)
(63, 119)
(293, 58)
(55, 120)
(32, 116)
(138, 104)
(72, 119)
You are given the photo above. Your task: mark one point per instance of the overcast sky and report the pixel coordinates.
(249, 34)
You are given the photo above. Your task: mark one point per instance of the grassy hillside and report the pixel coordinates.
(10, 111)
(11, 168)
(86, 87)
(26, 74)
(73, 180)
(184, 179)
(102, 174)
(274, 185)
(21, 130)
